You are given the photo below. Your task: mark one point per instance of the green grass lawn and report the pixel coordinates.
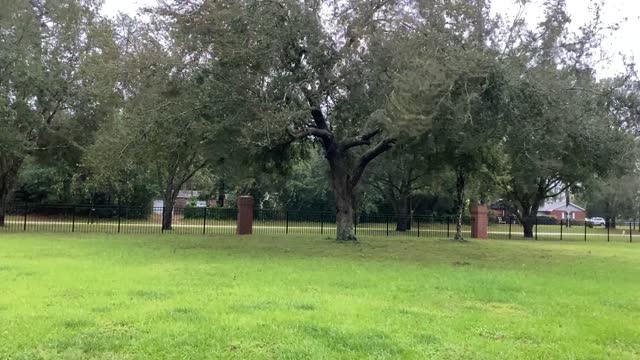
(97, 296)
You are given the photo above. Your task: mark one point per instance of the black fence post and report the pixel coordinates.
(585, 231)
(286, 220)
(510, 222)
(204, 222)
(164, 208)
(73, 220)
(631, 231)
(387, 218)
(418, 223)
(448, 227)
(536, 227)
(561, 225)
(321, 223)
(26, 207)
(433, 223)
(355, 224)
(119, 216)
(608, 230)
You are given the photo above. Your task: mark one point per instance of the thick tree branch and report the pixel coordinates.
(365, 159)
(192, 173)
(318, 118)
(387, 181)
(563, 189)
(311, 131)
(364, 139)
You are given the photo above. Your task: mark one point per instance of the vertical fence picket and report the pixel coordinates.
(355, 224)
(26, 209)
(119, 217)
(387, 218)
(204, 221)
(162, 218)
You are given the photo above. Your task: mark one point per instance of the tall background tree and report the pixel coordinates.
(450, 89)
(172, 125)
(559, 130)
(314, 68)
(56, 84)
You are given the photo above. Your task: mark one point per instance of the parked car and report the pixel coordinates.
(596, 221)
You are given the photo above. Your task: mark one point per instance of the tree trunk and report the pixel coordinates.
(402, 224)
(345, 171)
(167, 218)
(221, 195)
(403, 213)
(2, 212)
(345, 200)
(528, 224)
(344, 222)
(460, 192)
(169, 201)
(4, 203)
(9, 168)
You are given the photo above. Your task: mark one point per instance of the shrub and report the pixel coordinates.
(577, 223)
(212, 213)
(85, 211)
(548, 220)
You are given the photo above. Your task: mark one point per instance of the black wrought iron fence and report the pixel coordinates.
(149, 220)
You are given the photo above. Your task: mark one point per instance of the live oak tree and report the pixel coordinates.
(315, 68)
(450, 89)
(613, 197)
(559, 130)
(56, 83)
(400, 175)
(171, 126)
(468, 130)
(558, 136)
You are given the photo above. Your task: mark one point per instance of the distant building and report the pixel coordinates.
(556, 207)
(184, 196)
(500, 210)
(562, 209)
(181, 201)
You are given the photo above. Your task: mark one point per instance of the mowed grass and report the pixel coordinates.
(97, 296)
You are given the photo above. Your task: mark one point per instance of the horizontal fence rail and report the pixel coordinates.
(205, 221)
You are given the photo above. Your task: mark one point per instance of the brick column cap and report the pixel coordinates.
(245, 201)
(479, 209)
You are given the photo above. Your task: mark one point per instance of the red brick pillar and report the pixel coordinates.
(480, 222)
(245, 216)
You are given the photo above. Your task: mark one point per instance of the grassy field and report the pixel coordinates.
(97, 296)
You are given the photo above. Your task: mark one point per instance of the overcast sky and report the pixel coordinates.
(623, 42)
